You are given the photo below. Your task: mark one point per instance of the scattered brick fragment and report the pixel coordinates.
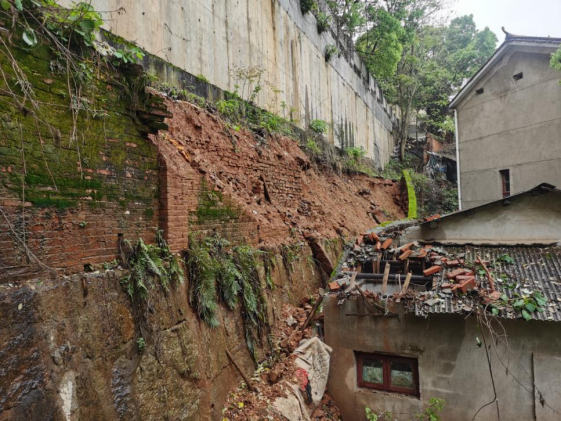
(386, 243)
(432, 217)
(374, 238)
(432, 270)
(462, 278)
(465, 286)
(406, 247)
(453, 263)
(454, 273)
(405, 255)
(334, 286)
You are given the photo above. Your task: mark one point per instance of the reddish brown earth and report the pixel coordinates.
(273, 181)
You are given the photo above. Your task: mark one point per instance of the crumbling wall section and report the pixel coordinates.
(262, 191)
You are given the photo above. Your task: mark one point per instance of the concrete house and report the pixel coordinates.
(508, 122)
(417, 313)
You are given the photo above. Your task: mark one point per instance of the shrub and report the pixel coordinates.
(323, 22)
(330, 51)
(307, 5)
(318, 126)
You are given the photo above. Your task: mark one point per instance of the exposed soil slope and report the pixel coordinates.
(273, 180)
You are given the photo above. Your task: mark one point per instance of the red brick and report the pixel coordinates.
(374, 238)
(432, 270)
(406, 247)
(465, 286)
(386, 243)
(406, 254)
(334, 286)
(461, 278)
(454, 273)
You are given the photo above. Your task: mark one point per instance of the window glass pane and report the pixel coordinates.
(373, 371)
(402, 374)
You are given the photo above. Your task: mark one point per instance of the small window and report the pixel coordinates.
(387, 372)
(479, 91)
(518, 76)
(505, 182)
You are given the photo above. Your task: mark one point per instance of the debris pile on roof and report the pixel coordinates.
(508, 282)
(285, 386)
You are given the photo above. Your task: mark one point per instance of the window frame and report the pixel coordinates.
(505, 180)
(387, 359)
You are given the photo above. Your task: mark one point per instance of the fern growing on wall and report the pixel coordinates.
(220, 272)
(151, 265)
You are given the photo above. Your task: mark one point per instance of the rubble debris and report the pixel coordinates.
(433, 278)
(291, 383)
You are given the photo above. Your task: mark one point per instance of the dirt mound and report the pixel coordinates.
(273, 180)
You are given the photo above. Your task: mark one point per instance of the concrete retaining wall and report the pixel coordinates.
(213, 38)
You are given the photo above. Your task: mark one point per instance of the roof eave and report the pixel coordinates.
(492, 61)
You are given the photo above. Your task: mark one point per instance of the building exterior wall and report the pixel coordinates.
(451, 365)
(514, 125)
(528, 219)
(214, 38)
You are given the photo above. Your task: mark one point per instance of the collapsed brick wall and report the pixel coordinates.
(261, 191)
(67, 193)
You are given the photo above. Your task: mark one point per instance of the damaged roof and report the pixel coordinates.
(509, 282)
(518, 272)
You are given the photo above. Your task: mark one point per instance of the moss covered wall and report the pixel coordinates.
(70, 183)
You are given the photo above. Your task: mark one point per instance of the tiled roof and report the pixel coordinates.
(532, 269)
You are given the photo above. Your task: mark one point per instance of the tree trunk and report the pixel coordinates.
(402, 134)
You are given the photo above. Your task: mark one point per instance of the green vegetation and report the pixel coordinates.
(431, 412)
(319, 126)
(151, 266)
(437, 196)
(202, 78)
(556, 60)
(290, 253)
(412, 211)
(323, 22)
(57, 103)
(530, 304)
(219, 271)
(330, 52)
(418, 58)
(307, 6)
(141, 345)
(372, 416)
(211, 206)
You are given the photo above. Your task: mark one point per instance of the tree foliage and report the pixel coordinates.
(418, 58)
